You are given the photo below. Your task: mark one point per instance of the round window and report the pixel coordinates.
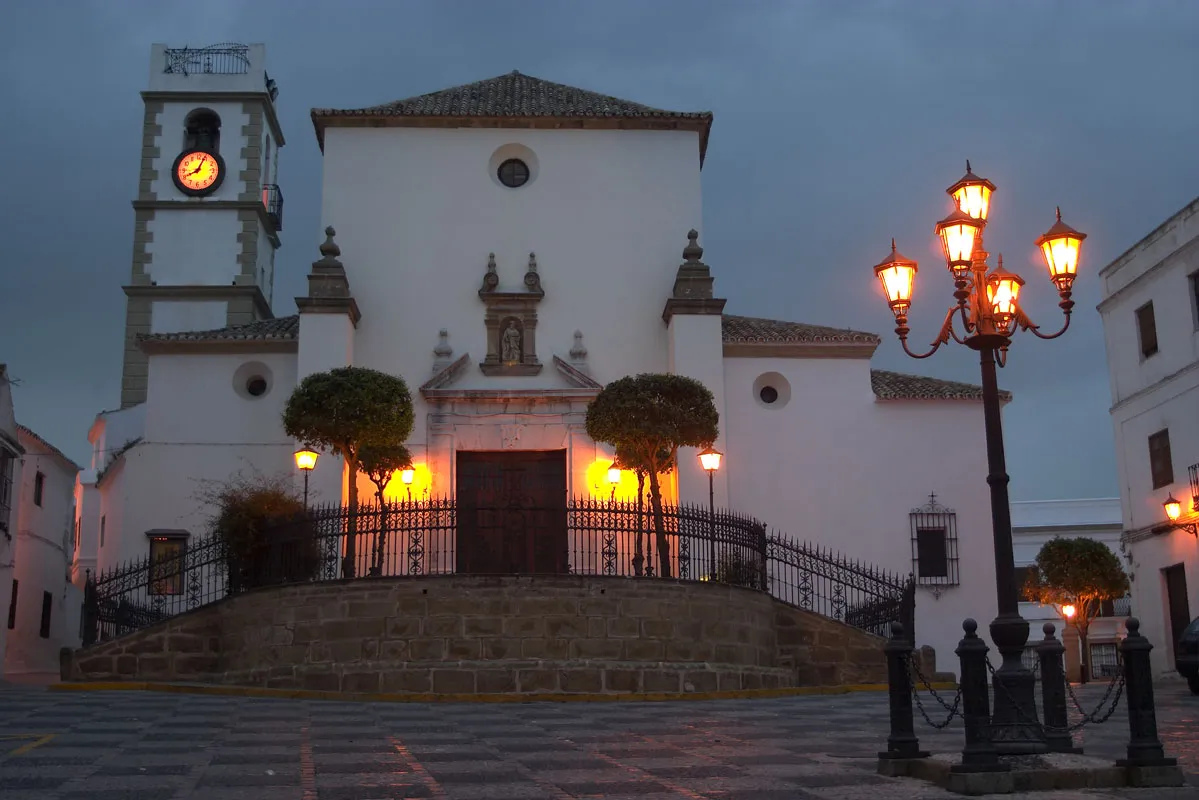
(513, 173)
(256, 386)
(768, 394)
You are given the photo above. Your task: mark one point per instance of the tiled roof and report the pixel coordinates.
(748, 330)
(513, 95)
(899, 386)
(51, 450)
(278, 329)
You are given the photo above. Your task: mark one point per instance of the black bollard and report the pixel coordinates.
(1144, 748)
(902, 743)
(979, 754)
(1053, 693)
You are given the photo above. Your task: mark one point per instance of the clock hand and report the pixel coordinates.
(199, 167)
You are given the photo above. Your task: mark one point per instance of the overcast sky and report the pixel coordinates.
(838, 124)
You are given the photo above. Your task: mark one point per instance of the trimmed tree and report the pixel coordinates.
(1077, 572)
(647, 418)
(380, 463)
(343, 411)
(628, 461)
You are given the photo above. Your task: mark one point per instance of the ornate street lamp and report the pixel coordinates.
(613, 480)
(407, 475)
(987, 305)
(709, 459)
(1174, 511)
(306, 462)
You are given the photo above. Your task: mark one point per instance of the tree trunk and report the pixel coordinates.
(655, 501)
(381, 534)
(638, 553)
(347, 564)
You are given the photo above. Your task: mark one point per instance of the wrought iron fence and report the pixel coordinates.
(441, 537)
(218, 59)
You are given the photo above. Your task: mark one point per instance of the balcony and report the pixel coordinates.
(1193, 473)
(228, 58)
(272, 199)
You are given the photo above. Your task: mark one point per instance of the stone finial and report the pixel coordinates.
(443, 349)
(578, 352)
(329, 249)
(492, 279)
(532, 279)
(692, 253)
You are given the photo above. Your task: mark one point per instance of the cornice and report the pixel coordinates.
(798, 350)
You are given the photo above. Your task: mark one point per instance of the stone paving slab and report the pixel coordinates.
(145, 746)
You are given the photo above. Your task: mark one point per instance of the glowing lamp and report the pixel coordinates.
(958, 233)
(1069, 611)
(897, 274)
(1173, 508)
(613, 473)
(1061, 246)
(306, 460)
(1003, 292)
(972, 194)
(407, 475)
(710, 459)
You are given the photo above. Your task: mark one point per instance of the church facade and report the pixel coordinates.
(508, 247)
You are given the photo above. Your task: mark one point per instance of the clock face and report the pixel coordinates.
(198, 172)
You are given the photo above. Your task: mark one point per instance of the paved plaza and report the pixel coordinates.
(158, 746)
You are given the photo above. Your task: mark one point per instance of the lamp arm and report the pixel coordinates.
(1027, 324)
(946, 333)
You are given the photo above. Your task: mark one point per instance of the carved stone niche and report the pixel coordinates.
(511, 321)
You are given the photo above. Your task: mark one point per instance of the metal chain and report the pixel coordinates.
(1116, 683)
(911, 666)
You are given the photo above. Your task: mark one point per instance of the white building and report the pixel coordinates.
(10, 476)
(44, 610)
(1150, 313)
(508, 247)
(1035, 522)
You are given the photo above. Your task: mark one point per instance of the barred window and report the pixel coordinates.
(934, 544)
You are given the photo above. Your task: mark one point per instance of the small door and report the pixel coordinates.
(1178, 602)
(511, 512)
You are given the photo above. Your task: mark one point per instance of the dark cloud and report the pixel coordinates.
(838, 126)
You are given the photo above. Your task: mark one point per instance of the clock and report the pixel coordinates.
(197, 172)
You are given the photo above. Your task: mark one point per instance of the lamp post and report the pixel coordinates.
(709, 459)
(306, 462)
(986, 303)
(407, 475)
(1068, 611)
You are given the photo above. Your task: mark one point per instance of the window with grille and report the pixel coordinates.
(47, 603)
(39, 488)
(166, 564)
(1161, 466)
(934, 544)
(1105, 660)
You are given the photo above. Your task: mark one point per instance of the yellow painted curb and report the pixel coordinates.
(547, 697)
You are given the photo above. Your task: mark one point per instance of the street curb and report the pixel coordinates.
(545, 697)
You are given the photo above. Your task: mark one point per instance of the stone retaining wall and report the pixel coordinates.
(466, 634)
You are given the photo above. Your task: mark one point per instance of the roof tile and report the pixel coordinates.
(279, 328)
(900, 386)
(513, 95)
(745, 330)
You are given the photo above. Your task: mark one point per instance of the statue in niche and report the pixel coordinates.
(510, 344)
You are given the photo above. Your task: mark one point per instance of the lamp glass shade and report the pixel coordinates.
(1061, 246)
(898, 277)
(710, 459)
(1069, 611)
(1173, 508)
(306, 459)
(958, 232)
(974, 199)
(1003, 293)
(613, 474)
(407, 475)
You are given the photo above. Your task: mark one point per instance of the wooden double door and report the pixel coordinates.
(511, 512)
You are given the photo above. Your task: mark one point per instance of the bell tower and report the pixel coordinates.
(209, 209)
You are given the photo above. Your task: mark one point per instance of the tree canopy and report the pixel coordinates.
(1077, 572)
(345, 410)
(647, 418)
